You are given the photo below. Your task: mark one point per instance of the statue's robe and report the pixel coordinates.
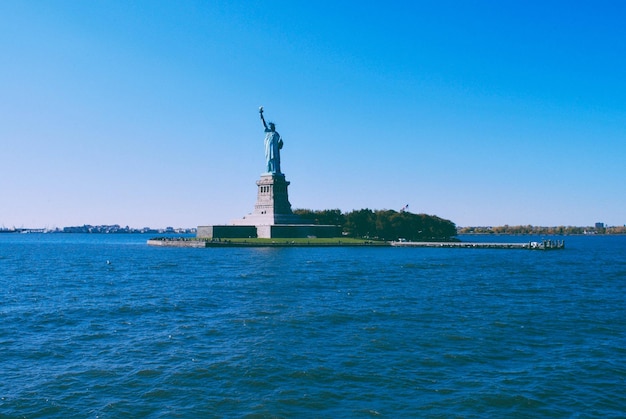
(273, 145)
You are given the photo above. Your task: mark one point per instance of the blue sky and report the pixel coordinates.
(145, 113)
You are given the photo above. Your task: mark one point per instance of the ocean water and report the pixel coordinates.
(310, 332)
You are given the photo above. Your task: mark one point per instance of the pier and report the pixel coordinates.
(542, 245)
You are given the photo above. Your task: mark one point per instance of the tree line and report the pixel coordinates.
(383, 224)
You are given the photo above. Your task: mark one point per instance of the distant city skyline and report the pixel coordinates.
(99, 229)
(146, 113)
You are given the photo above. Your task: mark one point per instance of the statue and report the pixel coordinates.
(273, 144)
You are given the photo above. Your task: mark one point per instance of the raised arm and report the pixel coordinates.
(262, 119)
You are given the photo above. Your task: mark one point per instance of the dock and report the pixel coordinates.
(542, 245)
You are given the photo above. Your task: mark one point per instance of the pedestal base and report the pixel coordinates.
(272, 217)
(276, 231)
(272, 203)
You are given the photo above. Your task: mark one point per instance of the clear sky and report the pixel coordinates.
(145, 113)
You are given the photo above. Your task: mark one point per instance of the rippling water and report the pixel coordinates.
(309, 332)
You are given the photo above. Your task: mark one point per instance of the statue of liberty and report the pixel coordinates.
(273, 144)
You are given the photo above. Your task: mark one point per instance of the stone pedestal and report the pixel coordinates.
(272, 216)
(272, 203)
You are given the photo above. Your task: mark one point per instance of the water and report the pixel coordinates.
(310, 332)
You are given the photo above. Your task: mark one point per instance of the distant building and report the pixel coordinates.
(599, 225)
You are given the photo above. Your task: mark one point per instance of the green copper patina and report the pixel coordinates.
(273, 144)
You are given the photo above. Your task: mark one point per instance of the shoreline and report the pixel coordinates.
(198, 243)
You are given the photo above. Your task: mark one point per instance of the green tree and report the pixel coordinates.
(325, 217)
(384, 224)
(360, 223)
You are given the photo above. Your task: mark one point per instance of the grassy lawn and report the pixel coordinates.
(336, 241)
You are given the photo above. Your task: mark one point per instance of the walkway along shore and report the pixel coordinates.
(542, 245)
(184, 242)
